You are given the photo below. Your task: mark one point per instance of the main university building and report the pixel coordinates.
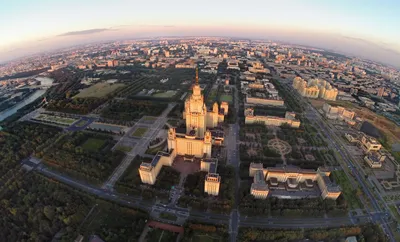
(195, 141)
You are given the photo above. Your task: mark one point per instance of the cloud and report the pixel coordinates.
(381, 45)
(84, 32)
(155, 25)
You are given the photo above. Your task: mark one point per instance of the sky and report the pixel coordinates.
(364, 27)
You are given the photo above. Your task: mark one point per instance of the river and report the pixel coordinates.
(45, 81)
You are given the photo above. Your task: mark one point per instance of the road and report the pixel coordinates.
(232, 151)
(336, 144)
(136, 202)
(140, 147)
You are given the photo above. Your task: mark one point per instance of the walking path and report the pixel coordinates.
(141, 145)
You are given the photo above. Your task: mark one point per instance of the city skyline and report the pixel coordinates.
(232, 138)
(365, 29)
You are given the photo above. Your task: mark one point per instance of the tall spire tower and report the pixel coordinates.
(197, 76)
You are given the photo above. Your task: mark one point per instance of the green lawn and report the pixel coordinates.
(56, 119)
(93, 144)
(153, 151)
(124, 148)
(139, 132)
(167, 94)
(159, 235)
(149, 118)
(81, 123)
(168, 216)
(395, 213)
(212, 96)
(99, 90)
(173, 122)
(226, 98)
(347, 190)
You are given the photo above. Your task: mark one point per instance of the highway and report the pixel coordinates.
(335, 141)
(232, 150)
(200, 216)
(336, 144)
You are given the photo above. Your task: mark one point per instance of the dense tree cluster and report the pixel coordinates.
(69, 155)
(196, 198)
(39, 209)
(114, 223)
(292, 207)
(290, 101)
(75, 105)
(131, 183)
(68, 81)
(167, 178)
(193, 229)
(20, 140)
(128, 110)
(34, 209)
(367, 233)
(130, 180)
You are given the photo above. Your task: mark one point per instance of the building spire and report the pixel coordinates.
(197, 76)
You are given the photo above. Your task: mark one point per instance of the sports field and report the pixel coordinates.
(99, 90)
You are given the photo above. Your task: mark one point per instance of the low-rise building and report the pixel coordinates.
(290, 178)
(375, 159)
(289, 119)
(371, 148)
(369, 143)
(149, 171)
(338, 113)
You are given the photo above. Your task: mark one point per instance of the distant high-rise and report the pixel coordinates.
(166, 53)
(381, 91)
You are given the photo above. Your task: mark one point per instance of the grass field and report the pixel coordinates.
(167, 94)
(173, 122)
(212, 96)
(347, 190)
(98, 90)
(168, 216)
(226, 98)
(124, 148)
(395, 213)
(205, 238)
(161, 235)
(153, 151)
(139, 132)
(81, 123)
(93, 144)
(149, 118)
